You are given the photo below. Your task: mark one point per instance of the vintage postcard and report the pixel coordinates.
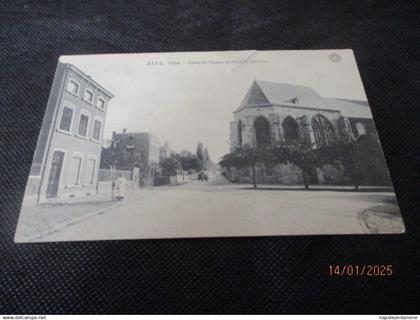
(207, 144)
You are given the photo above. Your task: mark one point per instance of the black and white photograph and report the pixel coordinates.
(207, 144)
(209, 158)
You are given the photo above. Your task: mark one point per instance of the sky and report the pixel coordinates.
(186, 98)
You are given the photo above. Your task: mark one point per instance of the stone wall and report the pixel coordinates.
(288, 174)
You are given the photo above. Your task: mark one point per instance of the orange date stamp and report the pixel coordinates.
(374, 270)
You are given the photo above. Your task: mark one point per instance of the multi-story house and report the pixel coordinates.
(129, 150)
(68, 152)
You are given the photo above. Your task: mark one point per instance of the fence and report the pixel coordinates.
(112, 175)
(181, 177)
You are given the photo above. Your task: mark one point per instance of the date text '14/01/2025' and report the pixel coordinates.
(360, 270)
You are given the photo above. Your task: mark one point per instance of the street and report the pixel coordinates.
(198, 209)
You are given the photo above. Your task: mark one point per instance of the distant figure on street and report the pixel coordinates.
(120, 185)
(202, 176)
(113, 191)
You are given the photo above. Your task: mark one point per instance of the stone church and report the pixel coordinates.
(272, 113)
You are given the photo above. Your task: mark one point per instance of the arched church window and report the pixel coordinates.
(240, 133)
(290, 129)
(262, 131)
(323, 131)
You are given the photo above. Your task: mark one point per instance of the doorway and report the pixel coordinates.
(55, 173)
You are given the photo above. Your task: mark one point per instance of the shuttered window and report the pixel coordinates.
(83, 125)
(73, 87)
(97, 130)
(101, 103)
(88, 96)
(75, 170)
(66, 118)
(90, 171)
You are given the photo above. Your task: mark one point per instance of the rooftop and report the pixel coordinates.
(135, 134)
(88, 77)
(266, 93)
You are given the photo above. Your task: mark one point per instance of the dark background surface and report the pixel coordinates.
(242, 275)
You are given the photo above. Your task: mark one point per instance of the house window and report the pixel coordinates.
(88, 96)
(75, 170)
(100, 103)
(83, 125)
(90, 171)
(73, 87)
(323, 131)
(97, 130)
(66, 118)
(262, 131)
(290, 130)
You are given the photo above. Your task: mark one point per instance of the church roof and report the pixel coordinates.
(281, 93)
(268, 93)
(350, 108)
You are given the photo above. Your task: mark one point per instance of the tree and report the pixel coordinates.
(359, 159)
(340, 153)
(200, 156)
(206, 159)
(301, 154)
(242, 157)
(170, 166)
(120, 158)
(187, 160)
(106, 158)
(200, 152)
(362, 160)
(206, 154)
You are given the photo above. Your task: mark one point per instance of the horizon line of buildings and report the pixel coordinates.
(70, 150)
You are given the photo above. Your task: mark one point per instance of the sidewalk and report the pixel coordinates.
(317, 187)
(382, 219)
(36, 221)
